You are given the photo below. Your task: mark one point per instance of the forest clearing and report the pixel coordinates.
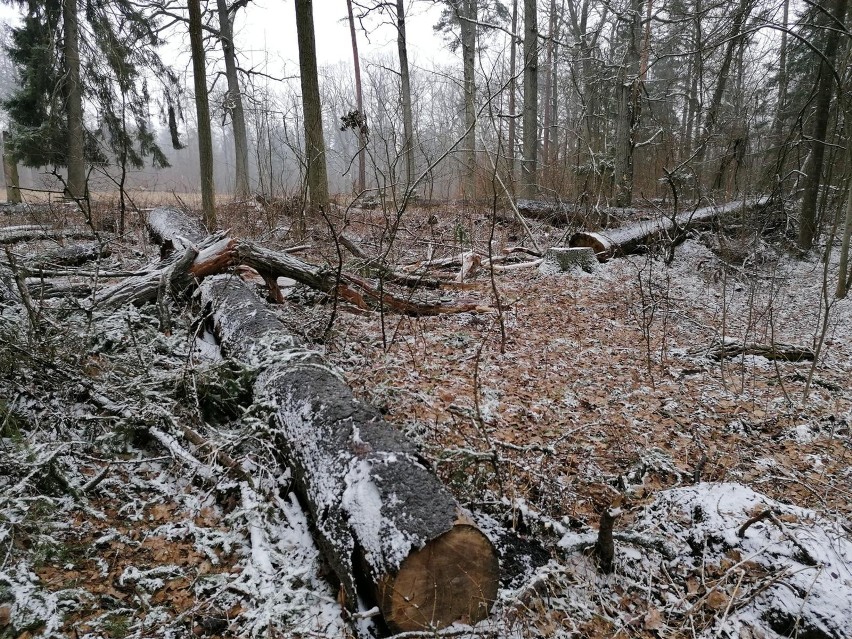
(146, 496)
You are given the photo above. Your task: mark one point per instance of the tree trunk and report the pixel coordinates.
(387, 527)
(407, 118)
(75, 186)
(234, 103)
(822, 113)
(843, 267)
(548, 86)
(468, 41)
(317, 177)
(627, 119)
(529, 168)
(513, 89)
(10, 174)
(711, 121)
(202, 110)
(359, 97)
(636, 238)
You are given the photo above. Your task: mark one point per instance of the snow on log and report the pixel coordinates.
(636, 237)
(74, 255)
(29, 232)
(173, 229)
(213, 255)
(729, 348)
(393, 534)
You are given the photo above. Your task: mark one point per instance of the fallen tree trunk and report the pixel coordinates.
(728, 348)
(28, 232)
(68, 256)
(214, 255)
(391, 532)
(636, 237)
(560, 213)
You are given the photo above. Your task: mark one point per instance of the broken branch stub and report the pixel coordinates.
(390, 530)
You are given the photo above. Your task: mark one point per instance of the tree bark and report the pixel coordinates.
(822, 113)
(234, 103)
(530, 152)
(513, 90)
(407, 117)
(317, 177)
(359, 98)
(627, 118)
(10, 174)
(75, 185)
(468, 16)
(636, 238)
(711, 121)
(387, 527)
(202, 110)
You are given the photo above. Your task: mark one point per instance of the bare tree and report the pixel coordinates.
(627, 106)
(234, 97)
(359, 98)
(407, 117)
(824, 95)
(530, 151)
(10, 174)
(317, 178)
(513, 89)
(202, 110)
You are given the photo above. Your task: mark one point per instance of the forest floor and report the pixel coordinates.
(586, 393)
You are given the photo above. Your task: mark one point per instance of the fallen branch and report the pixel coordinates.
(351, 288)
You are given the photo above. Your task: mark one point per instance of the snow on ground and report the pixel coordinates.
(603, 388)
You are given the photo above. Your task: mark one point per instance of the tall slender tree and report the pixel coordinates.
(833, 23)
(530, 151)
(234, 97)
(627, 105)
(359, 100)
(314, 140)
(202, 111)
(76, 183)
(405, 81)
(513, 90)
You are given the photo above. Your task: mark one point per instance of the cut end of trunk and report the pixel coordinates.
(604, 249)
(452, 579)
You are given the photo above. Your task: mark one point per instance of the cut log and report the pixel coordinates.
(636, 237)
(388, 528)
(563, 260)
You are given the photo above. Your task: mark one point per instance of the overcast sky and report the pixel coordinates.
(266, 34)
